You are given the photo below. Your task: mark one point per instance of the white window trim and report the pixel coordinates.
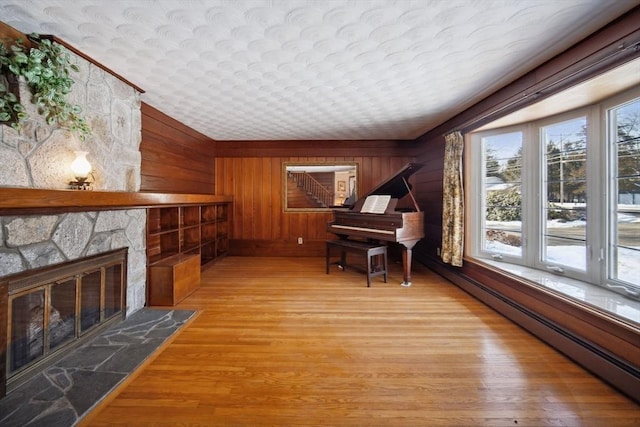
(610, 134)
(599, 163)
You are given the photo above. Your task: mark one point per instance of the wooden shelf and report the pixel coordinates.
(190, 215)
(30, 201)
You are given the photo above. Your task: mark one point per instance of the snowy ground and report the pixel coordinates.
(575, 256)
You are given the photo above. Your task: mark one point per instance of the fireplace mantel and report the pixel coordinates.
(27, 201)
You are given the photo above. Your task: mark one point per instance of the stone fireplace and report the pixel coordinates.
(39, 157)
(53, 309)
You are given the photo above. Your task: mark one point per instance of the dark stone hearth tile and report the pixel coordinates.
(22, 394)
(160, 333)
(51, 393)
(167, 322)
(59, 377)
(11, 402)
(90, 387)
(127, 360)
(60, 417)
(149, 315)
(181, 316)
(63, 396)
(23, 414)
(124, 338)
(89, 357)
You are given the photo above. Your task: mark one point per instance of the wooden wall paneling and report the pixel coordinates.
(164, 166)
(238, 215)
(175, 158)
(429, 196)
(276, 198)
(260, 215)
(176, 186)
(266, 194)
(170, 152)
(260, 225)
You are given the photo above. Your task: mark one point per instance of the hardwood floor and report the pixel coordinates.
(280, 343)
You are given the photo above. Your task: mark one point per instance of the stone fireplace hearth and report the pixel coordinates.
(53, 309)
(65, 392)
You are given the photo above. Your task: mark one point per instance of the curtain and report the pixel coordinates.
(453, 201)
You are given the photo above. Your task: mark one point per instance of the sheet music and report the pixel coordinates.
(376, 204)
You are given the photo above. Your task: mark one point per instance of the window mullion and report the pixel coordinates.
(597, 187)
(531, 195)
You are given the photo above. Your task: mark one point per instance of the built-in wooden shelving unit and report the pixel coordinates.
(188, 229)
(181, 240)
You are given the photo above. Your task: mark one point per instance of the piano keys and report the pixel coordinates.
(400, 226)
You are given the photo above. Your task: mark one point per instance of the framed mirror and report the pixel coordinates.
(310, 187)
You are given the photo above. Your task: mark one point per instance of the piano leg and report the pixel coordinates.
(406, 261)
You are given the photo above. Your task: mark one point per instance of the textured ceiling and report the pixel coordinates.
(316, 69)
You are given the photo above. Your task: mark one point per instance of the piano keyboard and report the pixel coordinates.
(369, 230)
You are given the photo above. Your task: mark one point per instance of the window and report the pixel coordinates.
(502, 223)
(564, 191)
(624, 186)
(561, 194)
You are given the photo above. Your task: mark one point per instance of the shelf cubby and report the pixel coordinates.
(187, 229)
(179, 239)
(190, 216)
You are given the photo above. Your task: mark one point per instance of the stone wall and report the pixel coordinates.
(34, 241)
(40, 155)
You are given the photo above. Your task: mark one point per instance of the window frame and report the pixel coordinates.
(600, 165)
(607, 105)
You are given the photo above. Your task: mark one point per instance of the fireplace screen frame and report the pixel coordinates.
(98, 287)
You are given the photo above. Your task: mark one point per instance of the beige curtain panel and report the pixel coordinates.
(453, 201)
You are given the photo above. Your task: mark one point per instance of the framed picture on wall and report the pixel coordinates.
(342, 186)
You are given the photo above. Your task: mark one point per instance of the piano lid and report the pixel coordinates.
(396, 186)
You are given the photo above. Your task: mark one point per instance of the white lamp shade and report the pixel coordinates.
(81, 166)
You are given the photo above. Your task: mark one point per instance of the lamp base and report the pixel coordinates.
(80, 185)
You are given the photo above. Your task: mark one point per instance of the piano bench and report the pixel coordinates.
(370, 250)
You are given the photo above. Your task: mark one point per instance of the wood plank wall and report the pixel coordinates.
(260, 224)
(175, 158)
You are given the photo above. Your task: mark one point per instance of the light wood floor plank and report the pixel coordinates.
(280, 343)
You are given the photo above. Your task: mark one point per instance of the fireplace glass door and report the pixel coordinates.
(52, 310)
(27, 329)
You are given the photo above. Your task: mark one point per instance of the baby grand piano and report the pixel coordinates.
(401, 226)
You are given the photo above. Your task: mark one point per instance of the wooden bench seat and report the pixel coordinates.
(369, 250)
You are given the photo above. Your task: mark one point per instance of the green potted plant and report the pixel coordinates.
(45, 69)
